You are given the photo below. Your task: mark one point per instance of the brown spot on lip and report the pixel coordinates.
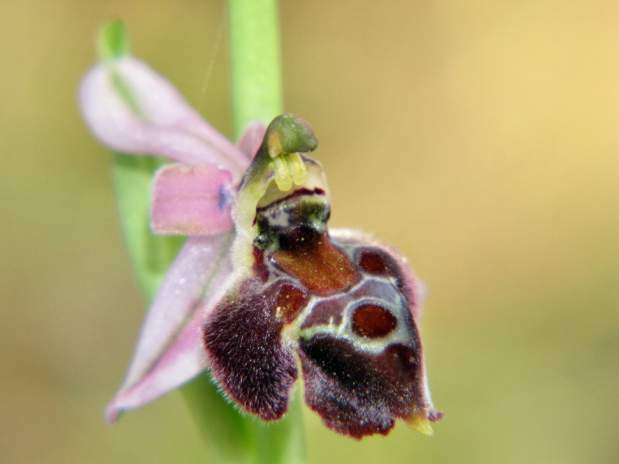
(290, 302)
(373, 263)
(373, 321)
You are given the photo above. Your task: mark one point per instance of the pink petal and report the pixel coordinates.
(191, 200)
(170, 351)
(251, 139)
(151, 117)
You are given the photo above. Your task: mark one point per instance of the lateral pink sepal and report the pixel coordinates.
(169, 350)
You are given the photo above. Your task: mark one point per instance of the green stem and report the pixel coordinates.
(257, 96)
(255, 60)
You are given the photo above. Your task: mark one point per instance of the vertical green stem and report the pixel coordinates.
(257, 96)
(255, 59)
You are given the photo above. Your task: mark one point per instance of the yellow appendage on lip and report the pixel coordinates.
(422, 425)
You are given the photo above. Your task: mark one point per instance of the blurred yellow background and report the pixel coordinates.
(480, 138)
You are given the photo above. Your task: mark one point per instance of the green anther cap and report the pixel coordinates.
(289, 133)
(281, 159)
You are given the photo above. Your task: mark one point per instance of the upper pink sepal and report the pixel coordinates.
(169, 350)
(191, 200)
(132, 109)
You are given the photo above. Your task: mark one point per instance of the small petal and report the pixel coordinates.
(250, 141)
(169, 351)
(133, 110)
(191, 200)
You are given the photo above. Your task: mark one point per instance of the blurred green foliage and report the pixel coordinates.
(480, 138)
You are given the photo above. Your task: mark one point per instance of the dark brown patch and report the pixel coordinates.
(260, 268)
(377, 263)
(357, 393)
(317, 263)
(373, 321)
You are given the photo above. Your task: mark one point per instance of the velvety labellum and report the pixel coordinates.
(342, 305)
(359, 393)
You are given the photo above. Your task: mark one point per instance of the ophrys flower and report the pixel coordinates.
(263, 290)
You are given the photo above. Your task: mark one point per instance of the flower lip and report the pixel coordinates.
(360, 375)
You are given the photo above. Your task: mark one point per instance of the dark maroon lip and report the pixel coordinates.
(297, 193)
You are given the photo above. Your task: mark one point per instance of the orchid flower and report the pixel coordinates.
(262, 292)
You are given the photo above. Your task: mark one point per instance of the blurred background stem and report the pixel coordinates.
(256, 95)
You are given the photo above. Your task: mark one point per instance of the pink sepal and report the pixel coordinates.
(169, 350)
(132, 109)
(251, 139)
